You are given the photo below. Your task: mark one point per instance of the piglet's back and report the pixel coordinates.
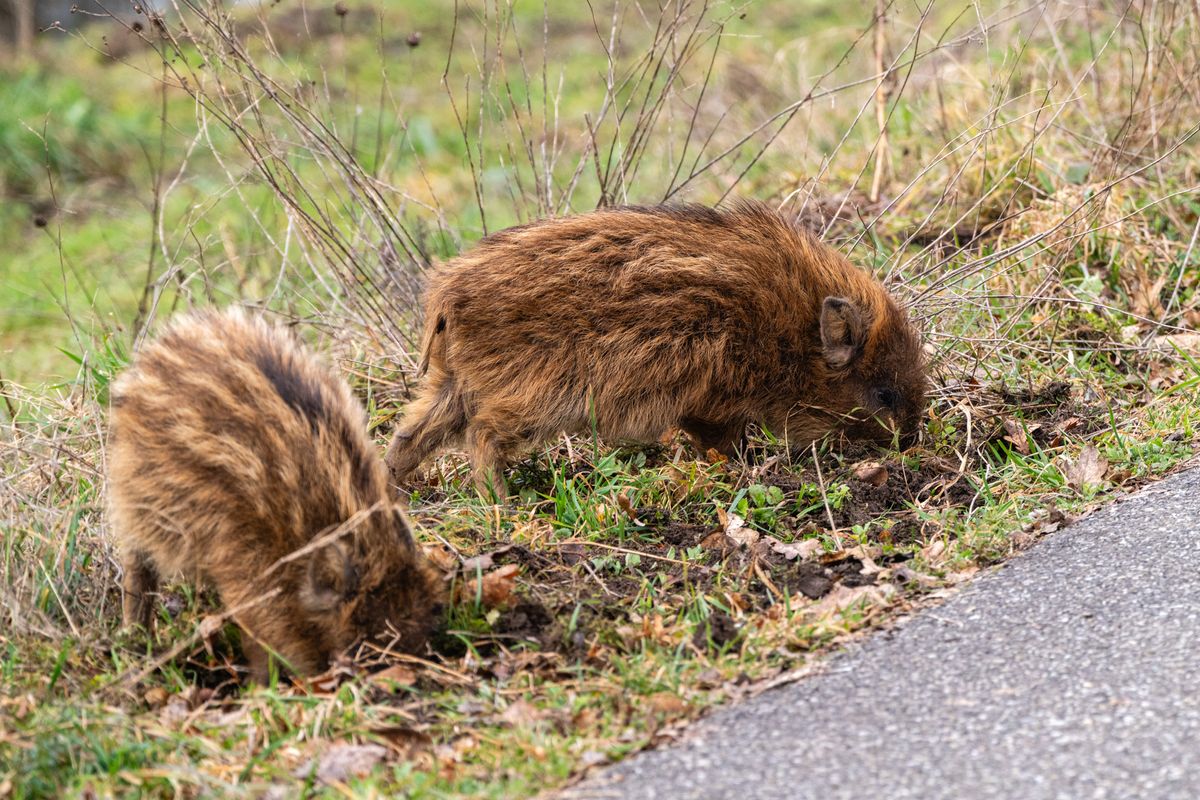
(231, 446)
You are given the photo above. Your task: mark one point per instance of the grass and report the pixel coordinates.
(1035, 207)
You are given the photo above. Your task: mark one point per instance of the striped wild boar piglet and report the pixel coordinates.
(640, 319)
(238, 460)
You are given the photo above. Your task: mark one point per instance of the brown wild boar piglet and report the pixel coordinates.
(239, 461)
(641, 319)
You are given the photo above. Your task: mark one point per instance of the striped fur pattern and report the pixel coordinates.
(643, 319)
(232, 448)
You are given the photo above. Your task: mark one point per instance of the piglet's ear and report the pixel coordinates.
(332, 579)
(403, 528)
(842, 331)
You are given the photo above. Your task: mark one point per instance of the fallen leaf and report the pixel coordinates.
(325, 683)
(395, 676)
(156, 697)
(717, 540)
(627, 506)
(803, 549)
(862, 552)
(1088, 469)
(842, 597)
(961, 575)
(510, 663)
(521, 714)
(934, 553)
(1069, 424)
(484, 561)
(175, 712)
(1119, 476)
(341, 762)
(869, 567)
(666, 703)
(494, 588)
(1045, 520)
(1015, 434)
(871, 472)
(713, 457)
(1176, 342)
(735, 528)
(441, 557)
(904, 574)
(210, 626)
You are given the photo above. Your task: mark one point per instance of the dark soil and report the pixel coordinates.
(717, 632)
(528, 620)
(809, 578)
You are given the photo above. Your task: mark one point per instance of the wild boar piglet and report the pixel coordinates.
(237, 460)
(636, 320)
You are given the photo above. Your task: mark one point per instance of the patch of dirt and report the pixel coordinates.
(528, 620)
(718, 631)
(809, 578)
(1044, 414)
(905, 530)
(683, 534)
(849, 572)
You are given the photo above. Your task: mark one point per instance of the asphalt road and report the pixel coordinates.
(1072, 672)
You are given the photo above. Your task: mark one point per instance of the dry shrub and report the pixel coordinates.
(57, 572)
(1099, 233)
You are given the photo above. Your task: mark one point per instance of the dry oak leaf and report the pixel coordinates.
(842, 597)
(864, 554)
(484, 561)
(627, 506)
(1015, 434)
(1088, 469)
(871, 472)
(735, 528)
(394, 676)
(803, 549)
(494, 588)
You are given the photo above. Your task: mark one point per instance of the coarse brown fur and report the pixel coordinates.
(646, 318)
(232, 448)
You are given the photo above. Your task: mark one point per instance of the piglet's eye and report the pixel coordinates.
(889, 398)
